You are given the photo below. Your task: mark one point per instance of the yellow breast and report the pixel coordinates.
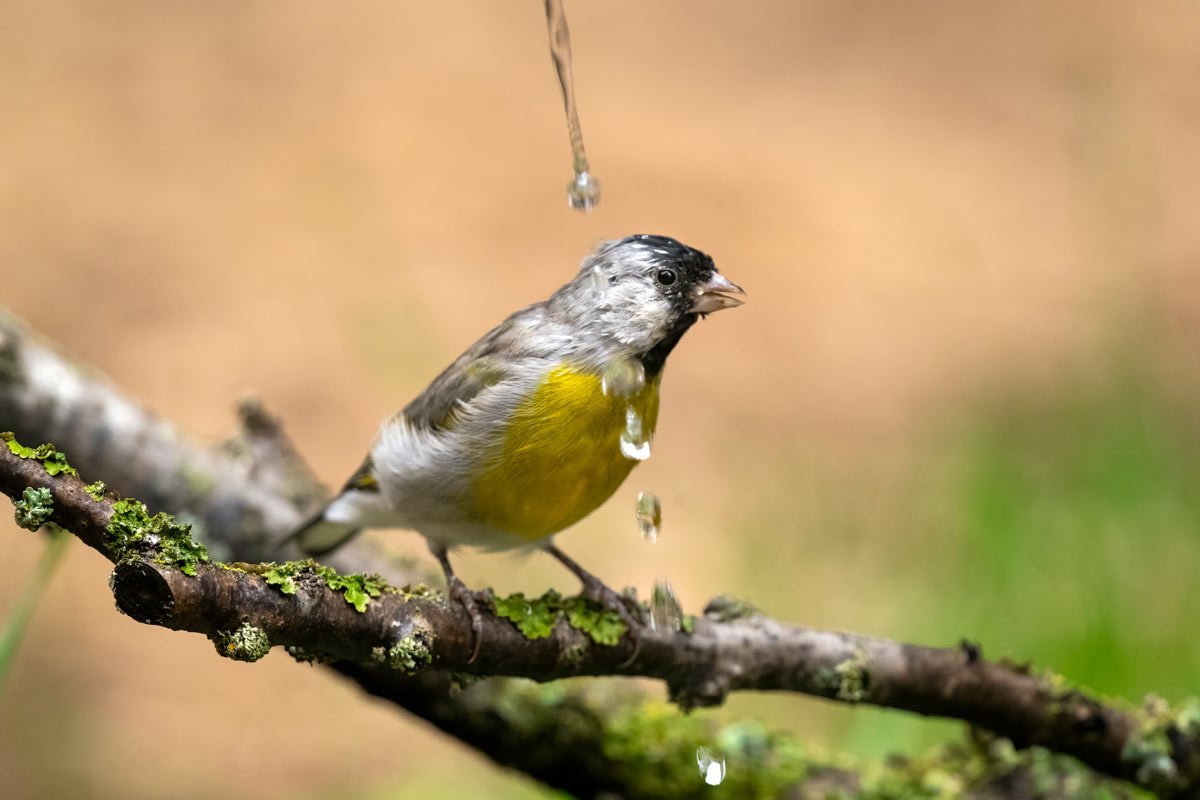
(563, 454)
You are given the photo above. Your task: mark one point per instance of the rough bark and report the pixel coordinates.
(250, 496)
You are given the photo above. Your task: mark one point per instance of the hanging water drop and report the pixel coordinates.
(624, 377)
(665, 612)
(634, 444)
(599, 284)
(583, 193)
(649, 516)
(712, 768)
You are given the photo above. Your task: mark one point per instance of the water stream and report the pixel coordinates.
(583, 193)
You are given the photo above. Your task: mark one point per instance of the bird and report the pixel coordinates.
(537, 423)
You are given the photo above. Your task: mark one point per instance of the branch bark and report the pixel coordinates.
(409, 632)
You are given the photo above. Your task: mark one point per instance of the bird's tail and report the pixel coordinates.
(319, 534)
(359, 505)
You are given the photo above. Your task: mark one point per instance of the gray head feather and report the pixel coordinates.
(633, 294)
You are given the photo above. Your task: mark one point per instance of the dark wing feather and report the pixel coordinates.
(484, 364)
(363, 478)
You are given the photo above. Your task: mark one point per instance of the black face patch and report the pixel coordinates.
(654, 358)
(683, 266)
(688, 267)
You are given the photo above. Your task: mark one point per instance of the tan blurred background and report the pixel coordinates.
(946, 215)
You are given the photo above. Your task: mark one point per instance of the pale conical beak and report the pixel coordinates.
(714, 294)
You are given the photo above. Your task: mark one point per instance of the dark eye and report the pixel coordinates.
(666, 276)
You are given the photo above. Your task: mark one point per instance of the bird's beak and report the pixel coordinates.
(714, 294)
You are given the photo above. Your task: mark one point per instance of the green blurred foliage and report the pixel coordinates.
(1065, 530)
(1078, 523)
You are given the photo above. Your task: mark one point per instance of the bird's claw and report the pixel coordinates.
(458, 592)
(624, 606)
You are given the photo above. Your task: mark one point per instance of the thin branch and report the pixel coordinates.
(244, 497)
(249, 496)
(411, 632)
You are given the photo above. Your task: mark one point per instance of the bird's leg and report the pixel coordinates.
(458, 591)
(595, 589)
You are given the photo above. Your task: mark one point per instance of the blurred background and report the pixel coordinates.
(960, 402)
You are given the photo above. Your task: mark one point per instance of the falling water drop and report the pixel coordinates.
(649, 516)
(712, 768)
(583, 193)
(635, 445)
(665, 612)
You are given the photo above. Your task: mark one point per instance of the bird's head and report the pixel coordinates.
(643, 292)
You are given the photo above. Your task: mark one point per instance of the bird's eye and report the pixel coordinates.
(666, 276)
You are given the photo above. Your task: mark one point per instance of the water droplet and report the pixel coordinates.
(583, 193)
(649, 515)
(712, 768)
(624, 377)
(635, 445)
(665, 613)
(635, 452)
(599, 284)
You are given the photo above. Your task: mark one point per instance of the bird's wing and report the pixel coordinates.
(486, 363)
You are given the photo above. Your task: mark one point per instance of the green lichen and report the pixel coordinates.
(1055, 684)
(56, 462)
(420, 591)
(649, 750)
(572, 656)
(182, 552)
(603, 625)
(96, 490)
(986, 765)
(853, 678)
(134, 532)
(727, 608)
(1149, 749)
(284, 575)
(53, 461)
(536, 617)
(656, 747)
(357, 589)
(34, 508)
(247, 643)
(409, 655)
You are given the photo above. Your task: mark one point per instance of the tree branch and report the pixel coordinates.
(402, 631)
(243, 497)
(413, 631)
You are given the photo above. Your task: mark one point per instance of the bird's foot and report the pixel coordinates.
(457, 591)
(598, 591)
(625, 606)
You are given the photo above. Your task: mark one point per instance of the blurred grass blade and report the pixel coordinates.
(13, 630)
